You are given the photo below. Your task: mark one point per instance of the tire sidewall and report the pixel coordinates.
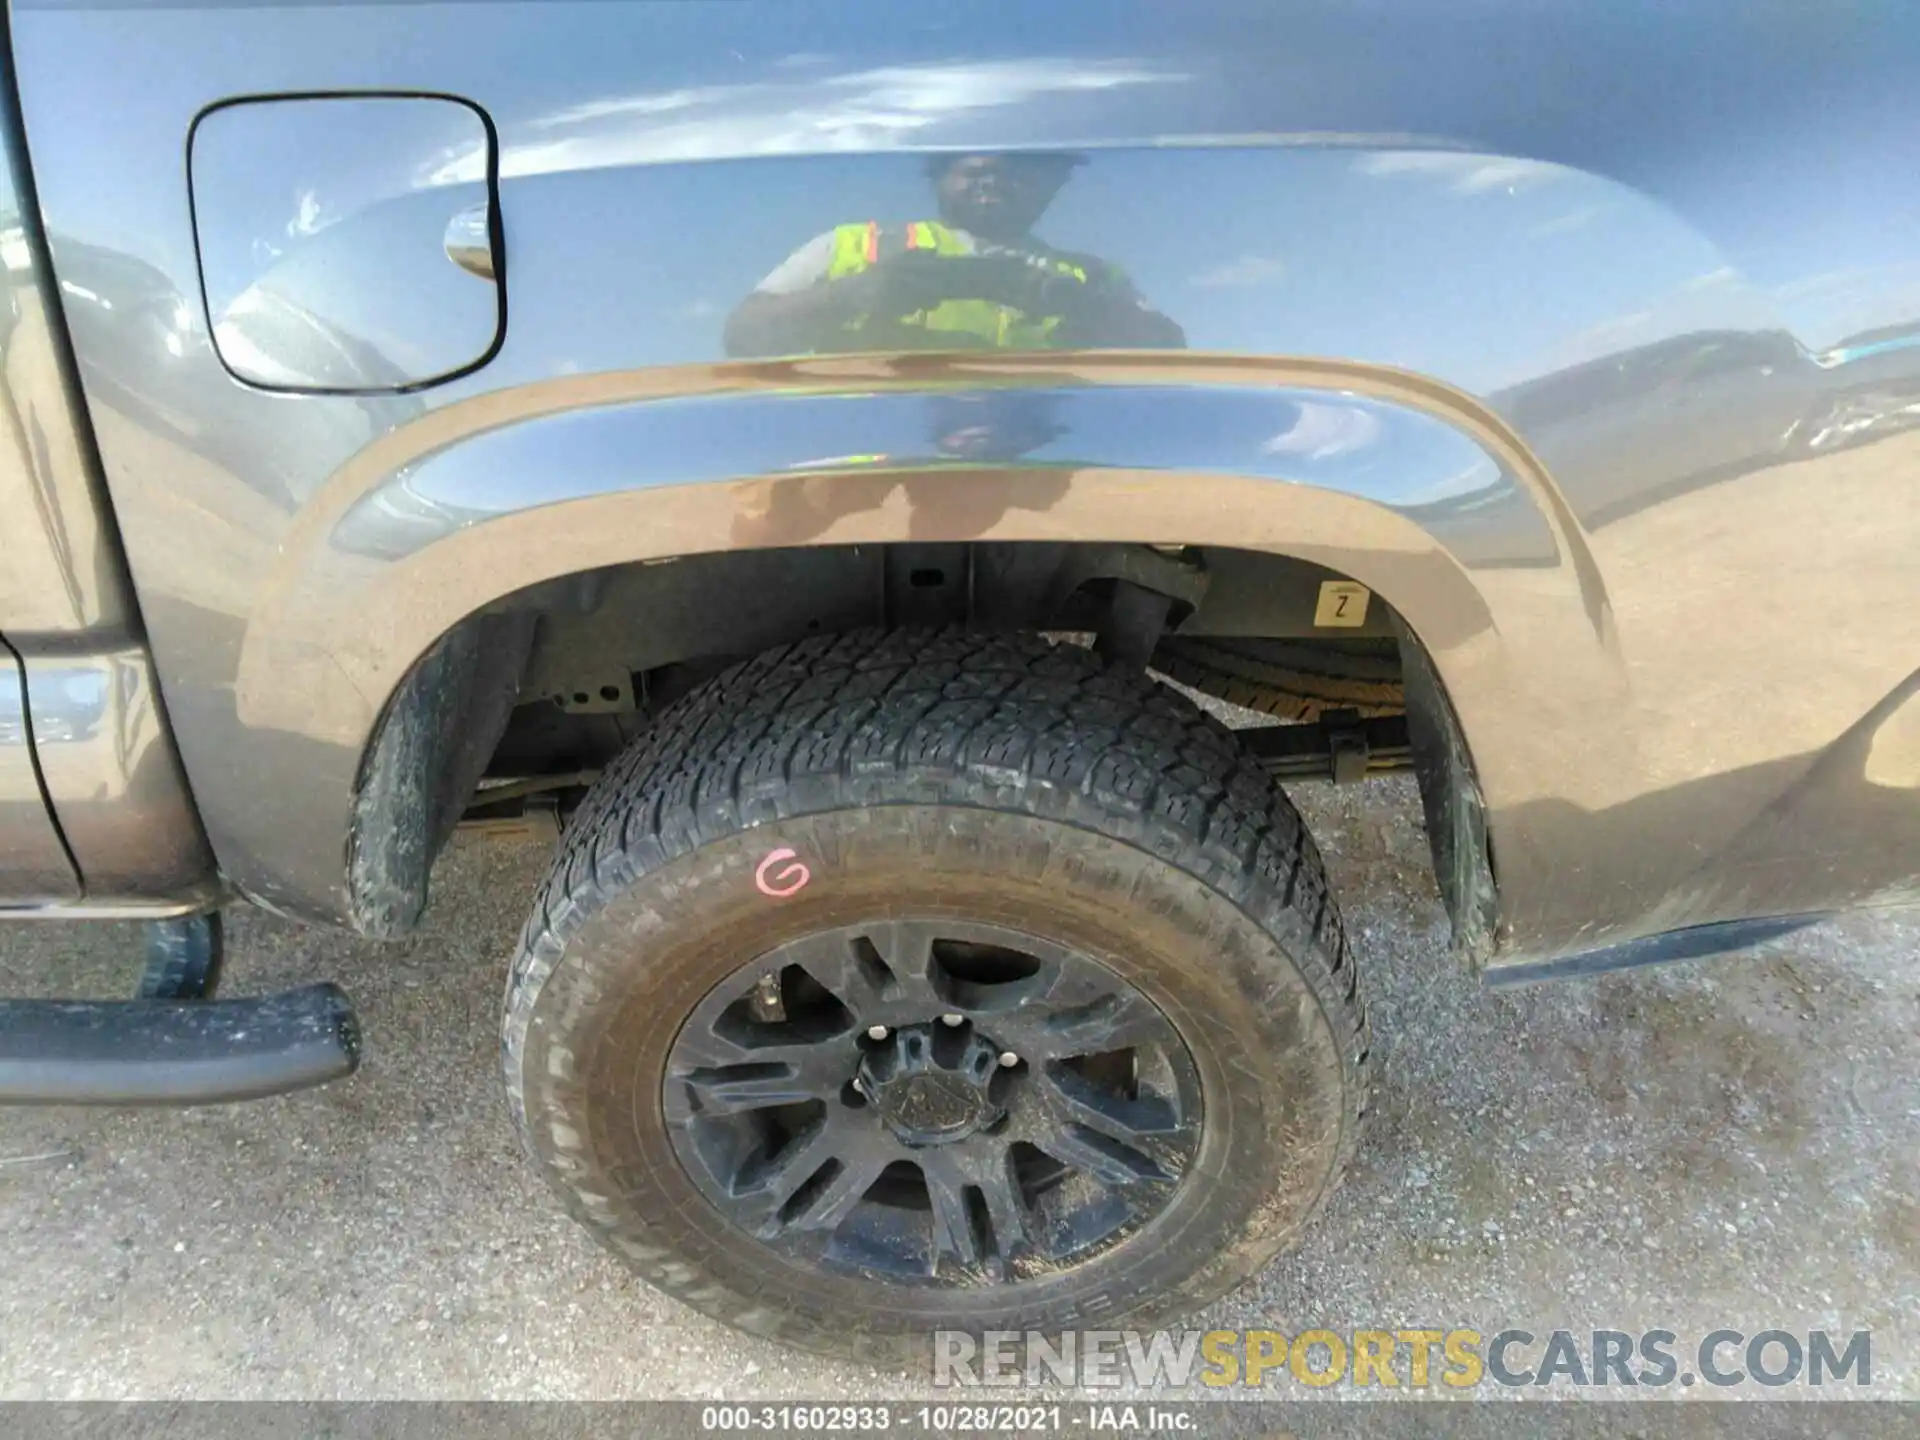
(593, 1019)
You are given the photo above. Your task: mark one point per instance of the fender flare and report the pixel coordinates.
(1405, 485)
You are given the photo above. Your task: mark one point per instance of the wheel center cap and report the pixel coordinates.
(935, 1105)
(932, 1089)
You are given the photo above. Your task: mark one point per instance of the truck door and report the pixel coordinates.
(34, 869)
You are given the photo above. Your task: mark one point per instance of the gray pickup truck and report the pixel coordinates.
(783, 452)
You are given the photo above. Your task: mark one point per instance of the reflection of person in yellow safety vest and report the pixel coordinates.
(975, 279)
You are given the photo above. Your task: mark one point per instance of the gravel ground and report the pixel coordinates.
(1730, 1143)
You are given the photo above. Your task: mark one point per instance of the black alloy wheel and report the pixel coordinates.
(940, 1102)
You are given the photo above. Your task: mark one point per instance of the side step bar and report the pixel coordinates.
(174, 1052)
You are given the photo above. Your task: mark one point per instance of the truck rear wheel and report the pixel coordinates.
(909, 980)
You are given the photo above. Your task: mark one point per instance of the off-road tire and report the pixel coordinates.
(955, 772)
(1288, 679)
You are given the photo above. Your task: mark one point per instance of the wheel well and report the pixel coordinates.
(624, 642)
(555, 681)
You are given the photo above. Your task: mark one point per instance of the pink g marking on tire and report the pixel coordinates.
(787, 881)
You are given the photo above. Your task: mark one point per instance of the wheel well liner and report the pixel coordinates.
(1450, 796)
(431, 745)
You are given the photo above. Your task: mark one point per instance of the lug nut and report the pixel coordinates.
(876, 1032)
(952, 1019)
(1008, 1059)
